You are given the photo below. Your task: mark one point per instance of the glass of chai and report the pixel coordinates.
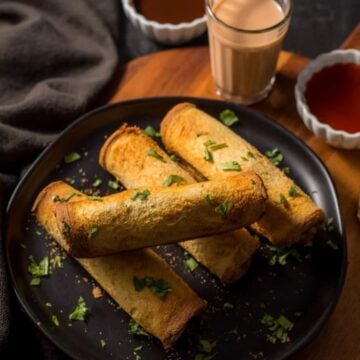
(245, 39)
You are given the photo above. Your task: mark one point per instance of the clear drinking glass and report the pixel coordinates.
(243, 62)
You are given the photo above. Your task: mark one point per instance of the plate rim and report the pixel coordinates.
(316, 327)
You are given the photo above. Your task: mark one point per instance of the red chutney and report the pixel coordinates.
(333, 96)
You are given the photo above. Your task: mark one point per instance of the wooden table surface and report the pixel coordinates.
(186, 72)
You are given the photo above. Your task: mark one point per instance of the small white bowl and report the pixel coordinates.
(337, 138)
(165, 33)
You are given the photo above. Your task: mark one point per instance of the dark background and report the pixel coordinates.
(317, 26)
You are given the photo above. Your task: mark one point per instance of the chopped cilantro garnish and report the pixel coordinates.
(283, 201)
(41, 269)
(151, 132)
(332, 245)
(74, 156)
(55, 320)
(215, 147)
(37, 232)
(172, 179)
(159, 287)
(136, 329)
(38, 270)
(209, 142)
(208, 156)
(230, 166)
(328, 225)
(223, 209)
(35, 281)
(250, 155)
(57, 262)
(140, 195)
(286, 170)
(279, 328)
(136, 349)
(211, 146)
(113, 185)
(274, 156)
(206, 347)
(280, 255)
(282, 258)
(228, 305)
(208, 199)
(81, 310)
(243, 158)
(154, 154)
(97, 183)
(293, 191)
(93, 232)
(228, 117)
(285, 322)
(95, 198)
(174, 158)
(102, 343)
(69, 196)
(57, 198)
(190, 264)
(66, 228)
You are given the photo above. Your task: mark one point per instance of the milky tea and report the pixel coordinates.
(245, 39)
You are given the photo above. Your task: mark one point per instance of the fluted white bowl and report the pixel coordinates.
(337, 138)
(164, 33)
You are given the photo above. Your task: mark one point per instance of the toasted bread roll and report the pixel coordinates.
(124, 155)
(139, 218)
(163, 318)
(187, 132)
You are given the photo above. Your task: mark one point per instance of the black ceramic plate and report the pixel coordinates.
(305, 290)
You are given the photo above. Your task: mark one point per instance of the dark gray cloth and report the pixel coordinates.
(56, 57)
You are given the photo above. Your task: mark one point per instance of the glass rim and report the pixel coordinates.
(258, 31)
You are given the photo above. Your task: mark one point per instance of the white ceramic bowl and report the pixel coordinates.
(165, 33)
(337, 138)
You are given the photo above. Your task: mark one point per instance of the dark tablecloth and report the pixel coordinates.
(56, 57)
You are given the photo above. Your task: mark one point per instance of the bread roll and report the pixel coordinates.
(124, 155)
(127, 221)
(186, 130)
(163, 318)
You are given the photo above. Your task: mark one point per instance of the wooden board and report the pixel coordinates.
(186, 72)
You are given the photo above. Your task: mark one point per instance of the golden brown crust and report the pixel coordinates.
(228, 255)
(284, 223)
(171, 116)
(124, 156)
(165, 319)
(120, 152)
(107, 145)
(168, 215)
(44, 205)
